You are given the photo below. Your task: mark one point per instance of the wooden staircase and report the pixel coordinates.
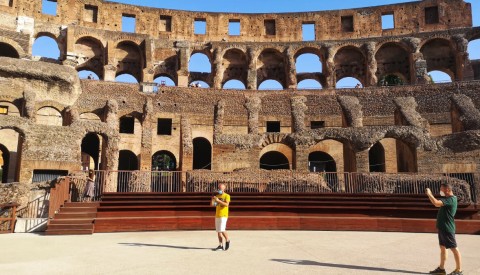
(74, 218)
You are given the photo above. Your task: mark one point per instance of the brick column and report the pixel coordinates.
(290, 70)
(371, 65)
(252, 69)
(218, 69)
(253, 105)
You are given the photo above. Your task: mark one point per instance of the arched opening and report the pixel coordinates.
(127, 161)
(129, 59)
(164, 161)
(392, 60)
(49, 116)
(376, 158)
(440, 56)
(349, 61)
(199, 62)
(47, 47)
(321, 162)
(126, 78)
(274, 161)
(91, 55)
(8, 51)
(270, 84)
(10, 150)
(439, 77)
(390, 80)
(90, 117)
(164, 81)
(9, 109)
(308, 63)
(271, 65)
(234, 84)
(349, 83)
(309, 84)
(202, 154)
(90, 149)
(474, 49)
(236, 66)
(86, 74)
(199, 84)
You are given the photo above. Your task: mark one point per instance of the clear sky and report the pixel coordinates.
(43, 48)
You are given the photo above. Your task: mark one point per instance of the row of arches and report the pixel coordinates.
(392, 58)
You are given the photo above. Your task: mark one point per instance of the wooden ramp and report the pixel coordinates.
(121, 212)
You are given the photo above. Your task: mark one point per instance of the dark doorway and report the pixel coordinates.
(127, 161)
(164, 161)
(6, 163)
(91, 146)
(376, 158)
(321, 162)
(274, 161)
(202, 154)
(8, 51)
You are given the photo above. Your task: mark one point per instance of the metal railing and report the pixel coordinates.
(280, 181)
(59, 194)
(8, 216)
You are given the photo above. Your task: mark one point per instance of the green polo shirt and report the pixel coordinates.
(446, 214)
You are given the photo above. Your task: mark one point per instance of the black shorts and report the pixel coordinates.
(447, 239)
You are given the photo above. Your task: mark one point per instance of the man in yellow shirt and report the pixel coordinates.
(221, 201)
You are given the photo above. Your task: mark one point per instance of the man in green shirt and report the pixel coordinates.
(446, 227)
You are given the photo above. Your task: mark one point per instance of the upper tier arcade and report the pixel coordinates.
(427, 35)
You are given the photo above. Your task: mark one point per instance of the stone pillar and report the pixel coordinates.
(110, 146)
(218, 68)
(362, 161)
(147, 136)
(298, 113)
(418, 65)
(329, 70)
(301, 158)
(219, 118)
(371, 64)
(183, 73)
(290, 70)
(352, 111)
(253, 106)
(464, 70)
(186, 147)
(252, 69)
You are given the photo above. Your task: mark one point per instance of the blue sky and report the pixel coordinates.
(43, 46)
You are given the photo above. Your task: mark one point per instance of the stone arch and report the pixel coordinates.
(309, 53)
(198, 62)
(439, 53)
(393, 59)
(348, 82)
(235, 64)
(400, 156)
(335, 149)
(91, 151)
(50, 39)
(13, 44)
(8, 50)
(271, 65)
(127, 161)
(129, 59)
(91, 55)
(11, 108)
(439, 76)
(202, 154)
(90, 117)
(48, 115)
(234, 84)
(165, 78)
(350, 61)
(279, 149)
(317, 78)
(164, 161)
(376, 158)
(270, 84)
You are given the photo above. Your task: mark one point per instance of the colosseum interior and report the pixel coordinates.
(54, 123)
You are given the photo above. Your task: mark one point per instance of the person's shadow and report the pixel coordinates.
(165, 246)
(345, 266)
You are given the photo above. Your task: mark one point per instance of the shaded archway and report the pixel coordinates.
(90, 149)
(91, 55)
(376, 158)
(11, 143)
(164, 161)
(440, 56)
(393, 59)
(321, 162)
(8, 50)
(390, 80)
(271, 65)
(202, 154)
(129, 59)
(199, 62)
(127, 161)
(45, 46)
(274, 160)
(235, 63)
(4, 162)
(349, 61)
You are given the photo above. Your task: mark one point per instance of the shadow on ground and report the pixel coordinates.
(345, 266)
(165, 246)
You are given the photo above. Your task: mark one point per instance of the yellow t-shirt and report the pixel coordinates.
(222, 211)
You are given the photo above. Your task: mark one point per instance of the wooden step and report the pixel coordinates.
(81, 204)
(75, 215)
(78, 210)
(69, 232)
(71, 221)
(84, 226)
